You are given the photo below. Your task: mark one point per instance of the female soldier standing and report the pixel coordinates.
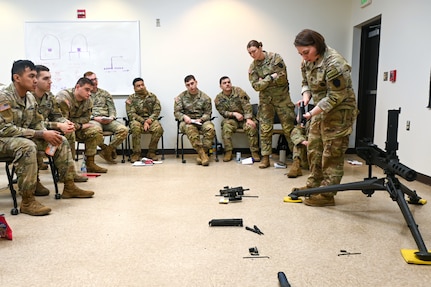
(327, 80)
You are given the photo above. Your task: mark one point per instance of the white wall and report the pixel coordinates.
(208, 38)
(405, 39)
(204, 38)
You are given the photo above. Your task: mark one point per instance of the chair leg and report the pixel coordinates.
(182, 149)
(14, 210)
(163, 148)
(55, 176)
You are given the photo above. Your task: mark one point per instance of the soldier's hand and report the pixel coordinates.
(251, 123)
(238, 116)
(52, 137)
(66, 127)
(274, 76)
(187, 119)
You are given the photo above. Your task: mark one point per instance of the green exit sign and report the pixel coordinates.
(365, 3)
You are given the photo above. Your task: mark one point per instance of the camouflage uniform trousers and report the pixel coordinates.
(230, 126)
(193, 133)
(24, 152)
(137, 129)
(268, 106)
(92, 137)
(298, 135)
(119, 130)
(325, 156)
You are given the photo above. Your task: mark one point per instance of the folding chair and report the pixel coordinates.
(128, 145)
(180, 135)
(10, 173)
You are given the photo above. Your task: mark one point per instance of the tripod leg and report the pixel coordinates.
(368, 185)
(398, 195)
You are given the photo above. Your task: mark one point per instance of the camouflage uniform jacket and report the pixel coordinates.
(103, 104)
(237, 101)
(329, 82)
(260, 72)
(141, 107)
(77, 112)
(49, 109)
(197, 106)
(18, 117)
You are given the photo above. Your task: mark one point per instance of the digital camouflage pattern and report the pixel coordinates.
(104, 106)
(19, 139)
(330, 84)
(79, 113)
(238, 101)
(50, 111)
(139, 108)
(197, 106)
(274, 98)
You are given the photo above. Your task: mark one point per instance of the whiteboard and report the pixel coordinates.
(69, 49)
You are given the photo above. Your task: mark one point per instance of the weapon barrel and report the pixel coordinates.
(402, 170)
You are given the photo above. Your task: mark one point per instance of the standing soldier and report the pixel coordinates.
(299, 136)
(267, 75)
(104, 115)
(327, 80)
(23, 134)
(143, 110)
(193, 108)
(48, 108)
(234, 105)
(75, 105)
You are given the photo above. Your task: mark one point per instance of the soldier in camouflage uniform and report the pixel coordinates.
(327, 80)
(76, 105)
(267, 75)
(143, 110)
(22, 134)
(104, 115)
(299, 137)
(234, 105)
(53, 119)
(193, 109)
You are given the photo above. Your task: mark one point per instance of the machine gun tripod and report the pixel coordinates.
(391, 166)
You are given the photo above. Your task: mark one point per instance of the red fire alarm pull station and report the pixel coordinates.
(80, 13)
(393, 76)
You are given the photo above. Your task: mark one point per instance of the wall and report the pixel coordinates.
(405, 39)
(204, 38)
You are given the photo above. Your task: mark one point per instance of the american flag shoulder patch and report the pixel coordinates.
(4, 107)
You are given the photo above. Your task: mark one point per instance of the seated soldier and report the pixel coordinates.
(143, 110)
(193, 108)
(234, 105)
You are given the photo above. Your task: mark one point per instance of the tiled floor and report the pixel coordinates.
(148, 226)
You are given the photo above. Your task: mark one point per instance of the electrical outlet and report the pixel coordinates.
(408, 125)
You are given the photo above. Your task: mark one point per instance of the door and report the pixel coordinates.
(367, 89)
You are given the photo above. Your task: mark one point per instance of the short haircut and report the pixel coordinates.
(87, 74)
(19, 67)
(137, 80)
(189, 78)
(41, 68)
(309, 37)
(254, 43)
(82, 81)
(223, 78)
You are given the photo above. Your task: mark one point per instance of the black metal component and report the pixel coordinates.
(226, 222)
(391, 166)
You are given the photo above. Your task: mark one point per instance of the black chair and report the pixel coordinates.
(128, 145)
(11, 172)
(180, 135)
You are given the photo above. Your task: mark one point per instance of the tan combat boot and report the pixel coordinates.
(77, 178)
(152, 155)
(255, 155)
(204, 157)
(227, 156)
(136, 156)
(40, 189)
(106, 154)
(72, 191)
(265, 162)
(295, 170)
(320, 199)
(92, 167)
(32, 207)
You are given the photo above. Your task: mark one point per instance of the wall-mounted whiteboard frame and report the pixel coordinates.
(111, 49)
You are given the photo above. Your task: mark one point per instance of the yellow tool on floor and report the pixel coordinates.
(411, 258)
